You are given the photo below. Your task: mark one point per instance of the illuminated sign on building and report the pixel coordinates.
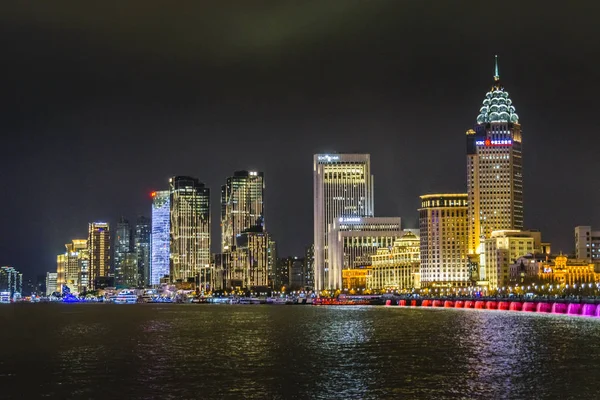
(350, 219)
(328, 158)
(488, 142)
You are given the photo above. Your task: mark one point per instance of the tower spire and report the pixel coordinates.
(496, 73)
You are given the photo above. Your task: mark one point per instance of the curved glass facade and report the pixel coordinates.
(160, 241)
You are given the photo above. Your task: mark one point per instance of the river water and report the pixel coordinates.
(104, 351)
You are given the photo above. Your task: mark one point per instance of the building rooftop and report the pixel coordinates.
(497, 105)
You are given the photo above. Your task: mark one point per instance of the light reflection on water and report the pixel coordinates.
(297, 352)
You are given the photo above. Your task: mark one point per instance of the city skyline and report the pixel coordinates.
(406, 99)
(299, 199)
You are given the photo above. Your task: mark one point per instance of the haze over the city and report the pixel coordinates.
(103, 103)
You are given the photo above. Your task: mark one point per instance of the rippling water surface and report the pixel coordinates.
(93, 351)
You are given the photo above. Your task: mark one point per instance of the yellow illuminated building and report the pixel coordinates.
(494, 168)
(396, 268)
(68, 266)
(355, 278)
(99, 251)
(568, 272)
(444, 233)
(61, 263)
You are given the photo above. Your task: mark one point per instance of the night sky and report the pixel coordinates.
(102, 102)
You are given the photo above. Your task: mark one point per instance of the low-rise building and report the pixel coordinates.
(526, 268)
(355, 278)
(351, 242)
(396, 267)
(563, 270)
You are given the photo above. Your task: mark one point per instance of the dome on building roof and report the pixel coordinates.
(497, 105)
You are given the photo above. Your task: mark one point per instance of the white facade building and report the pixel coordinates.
(353, 240)
(51, 283)
(343, 187)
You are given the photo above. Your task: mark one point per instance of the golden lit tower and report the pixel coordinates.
(494, 168)
(99, 251)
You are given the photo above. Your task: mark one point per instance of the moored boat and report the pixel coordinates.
(126, 297)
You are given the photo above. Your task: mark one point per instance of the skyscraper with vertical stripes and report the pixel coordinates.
(190, 231)
(243, 235)
(343, 188)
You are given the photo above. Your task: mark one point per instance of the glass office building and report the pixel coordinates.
(159, 239)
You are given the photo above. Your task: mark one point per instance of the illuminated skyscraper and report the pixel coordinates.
(343, 187)
(494, 168)
(241, 205)
(160, 241)
(123, 244)
(11, 280)
(190, 231)
(68, 265)
(243, 233)
(443, 233)
(142, 250)
(99, 251)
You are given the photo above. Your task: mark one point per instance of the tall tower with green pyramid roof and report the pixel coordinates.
(494, 167)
